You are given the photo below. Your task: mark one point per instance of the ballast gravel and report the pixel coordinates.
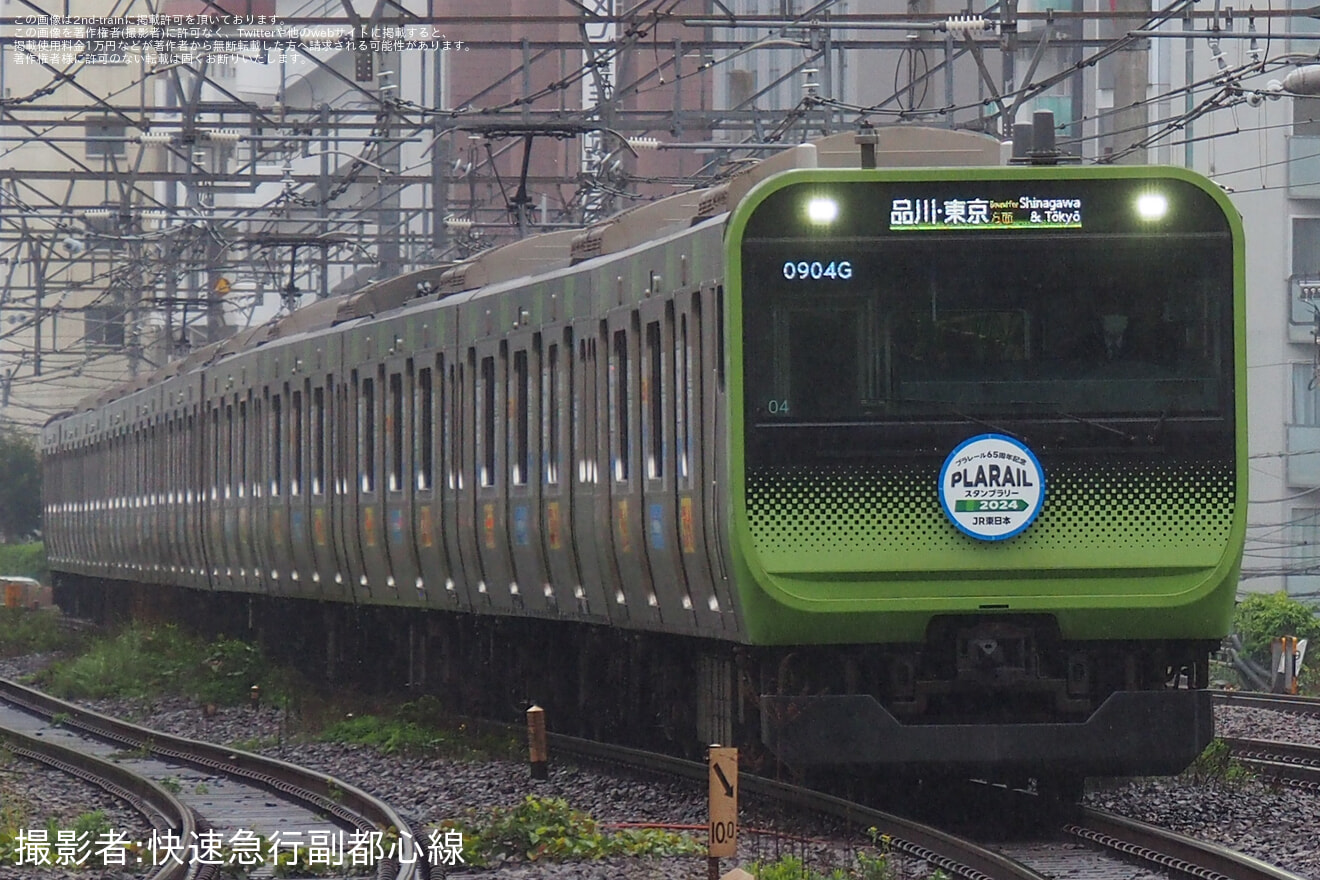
(1273, 824)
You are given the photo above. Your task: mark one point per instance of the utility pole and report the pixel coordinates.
(1131, 75)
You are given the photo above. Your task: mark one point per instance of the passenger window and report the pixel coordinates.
(618, 391)
(296, 441)
(367, 435)
(276, 446)
(521, 391)
(424, 428)
(550, 413)
(486, 419)
(653, 402)
(318, 441)
(240, 476)
(394, 427)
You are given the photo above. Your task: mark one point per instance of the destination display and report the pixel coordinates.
(1022, 212)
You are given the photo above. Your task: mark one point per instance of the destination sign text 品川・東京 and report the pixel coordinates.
(1024, 212)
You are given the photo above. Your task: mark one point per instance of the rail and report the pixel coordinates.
(163, 810)
(333, 798)
(1172, 851)
(959, 857)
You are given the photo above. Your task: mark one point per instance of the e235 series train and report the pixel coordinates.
(920, 468)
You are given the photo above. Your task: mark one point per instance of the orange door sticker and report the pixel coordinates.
(490, 526)
(424, 525)
(552, 524)
(688, 534)
(625, 542)
(369, 525)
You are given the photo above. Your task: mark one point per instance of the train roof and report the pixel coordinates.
(897, 146)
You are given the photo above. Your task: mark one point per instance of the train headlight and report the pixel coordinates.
(822, 210)
(1152, 206)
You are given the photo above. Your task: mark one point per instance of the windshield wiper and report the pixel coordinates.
(953, 410)
(1100, 426)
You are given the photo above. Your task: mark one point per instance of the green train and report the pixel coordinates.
(932, 470)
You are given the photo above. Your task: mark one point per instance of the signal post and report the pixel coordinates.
(723, 827)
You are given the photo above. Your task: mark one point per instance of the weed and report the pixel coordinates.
(32, 631)
(148, 661)
(792, 868)
(93, 825)
(170, 784)
(1217, 764)
(549, 829)
(386, 735)
(201, 788)
(411, 731)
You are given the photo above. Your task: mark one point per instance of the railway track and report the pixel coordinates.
(1095, 844)
(223, 794)
(1276, 702)
(1170, 852)
(1112, 843)
(166, 814)
(1294, 764)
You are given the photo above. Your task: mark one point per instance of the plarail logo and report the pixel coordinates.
(992, 487)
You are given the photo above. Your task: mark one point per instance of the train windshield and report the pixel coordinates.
(1080, 321)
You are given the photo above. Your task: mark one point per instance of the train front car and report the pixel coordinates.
(988, 463)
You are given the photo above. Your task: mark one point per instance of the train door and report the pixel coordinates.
(556, 472)
(458, 505)
(398, 435)
(211, 521)
(261, 524)
(319, 485)
(193, 494)
(490, 419)
(429, 458)
(590, 519)
(659, 478)
(171, 528)
(275, 489)
(688, 384)
(245, 455)
(149, 521)
(229, 441)
(343, 509)
(622, 450)
(363, 525)
(708, 311)
(131, 527)
(522, 450)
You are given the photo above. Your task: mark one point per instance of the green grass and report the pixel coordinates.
(149, 661)
(16, 819)
(24, 560)
(1217, 764)
(416, 727)
(32, 631)
(549, 829)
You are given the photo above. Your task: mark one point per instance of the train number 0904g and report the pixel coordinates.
(816, 270)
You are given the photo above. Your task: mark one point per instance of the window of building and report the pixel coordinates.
(103, 326)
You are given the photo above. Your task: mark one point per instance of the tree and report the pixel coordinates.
(20, 486)
(1262, 617)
